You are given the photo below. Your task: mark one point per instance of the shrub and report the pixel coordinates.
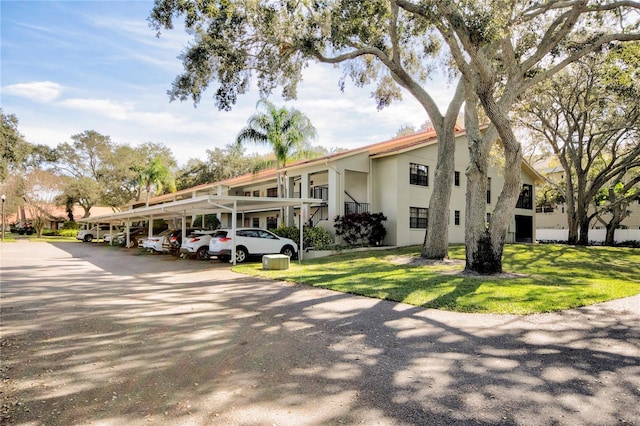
(71, 224)
(361, 228)
(377, 229)
(291, 232)
(315, 237)
(67, 232)
(210, 221)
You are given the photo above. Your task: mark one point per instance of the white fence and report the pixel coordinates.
(595, 235)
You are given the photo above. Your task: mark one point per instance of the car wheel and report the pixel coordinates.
(203, 253)
(224, 258)
(288, 251)
(241, 255)
(88, 238)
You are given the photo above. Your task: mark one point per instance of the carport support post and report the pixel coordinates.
(290, 221)
(127, 230)
(184, 229)
(233, 231)
(301, 245)
(150, 232)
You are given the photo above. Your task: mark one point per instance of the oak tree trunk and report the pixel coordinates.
(436, 238)
(485, 243)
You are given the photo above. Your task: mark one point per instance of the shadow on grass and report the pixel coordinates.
(451, 299)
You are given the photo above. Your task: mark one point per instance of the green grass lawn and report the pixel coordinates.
(11, 238)
(540, 278)
(53, 239)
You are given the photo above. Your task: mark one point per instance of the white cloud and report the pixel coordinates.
(39, 91)
(124, 111)
(106, 107)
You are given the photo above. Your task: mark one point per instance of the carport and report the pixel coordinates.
(207, 204)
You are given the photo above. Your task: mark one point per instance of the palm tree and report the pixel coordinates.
(155, 175)
(286, 131)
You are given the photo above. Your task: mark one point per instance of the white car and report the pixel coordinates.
(154, 243)
(114, 237)
(97, 232)
(196, 245)
(250, 242)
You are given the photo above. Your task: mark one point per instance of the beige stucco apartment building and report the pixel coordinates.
(394, 177)
(552, 222)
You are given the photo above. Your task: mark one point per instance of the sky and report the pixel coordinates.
(71, 66)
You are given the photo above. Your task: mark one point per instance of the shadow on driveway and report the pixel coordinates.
(93, 334)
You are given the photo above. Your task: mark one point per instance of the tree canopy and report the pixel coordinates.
(500, 49)
(590, 118)
(14, 148)
(101, 172)
(286, 131)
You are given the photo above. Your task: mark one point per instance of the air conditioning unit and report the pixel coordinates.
(275, 262)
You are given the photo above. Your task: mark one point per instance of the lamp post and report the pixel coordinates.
(4, 197)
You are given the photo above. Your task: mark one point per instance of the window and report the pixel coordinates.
(418, 217)
(247, 193)
(488, 217)
(456, 217)
(256, 222)
(488, 190)
(256, 193)
(266, 235)
(418, 174)
(272, 192)
(248, 233)
(525, 201)
(456, 178)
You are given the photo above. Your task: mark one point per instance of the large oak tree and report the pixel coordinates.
(273, 41)
(590, 118)
(501, 49)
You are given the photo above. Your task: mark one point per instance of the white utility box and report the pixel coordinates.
(275, 261)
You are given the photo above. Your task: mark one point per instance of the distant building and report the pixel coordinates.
(555, 216)
(55, 216)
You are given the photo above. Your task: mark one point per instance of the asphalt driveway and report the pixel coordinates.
(107, 336)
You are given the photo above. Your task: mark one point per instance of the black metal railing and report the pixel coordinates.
(320, 213)
(353, 207)
(321, 192)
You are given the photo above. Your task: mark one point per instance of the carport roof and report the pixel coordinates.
(206, 204)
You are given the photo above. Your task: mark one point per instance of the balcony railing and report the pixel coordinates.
(545, 209)
(320, 213)
(352, 207)
(321, 192)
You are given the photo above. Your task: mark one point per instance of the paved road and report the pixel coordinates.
(109, 336)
